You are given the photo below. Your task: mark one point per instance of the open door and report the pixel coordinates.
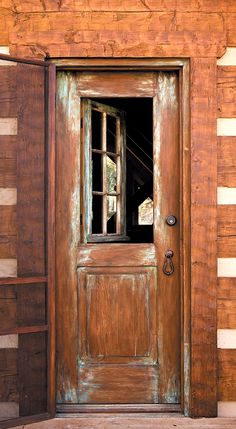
(121, 351)
(26, 241)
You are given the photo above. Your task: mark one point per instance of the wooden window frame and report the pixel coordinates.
(198, 267)
(88, 192)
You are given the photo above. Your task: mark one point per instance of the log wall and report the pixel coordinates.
(134, 28)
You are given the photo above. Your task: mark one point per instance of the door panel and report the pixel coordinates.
(118, 333)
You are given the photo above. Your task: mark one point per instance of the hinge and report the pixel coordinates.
(81, 219)
(81, 122)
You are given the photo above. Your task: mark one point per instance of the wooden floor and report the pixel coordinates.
(133, 422)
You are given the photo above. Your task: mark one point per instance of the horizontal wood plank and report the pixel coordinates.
(226, 167)
(227, 375)
(226, 314)
(226, 288)
(226, 93)
(101, 255)
(7, 173)
(8, 147)
(130, 85)
(104, 43)
(8, 106)
(8, 375)
(7, 220)
(226, 247)
(226, 216)
(95, 20)
(8, 247)
(122, 6)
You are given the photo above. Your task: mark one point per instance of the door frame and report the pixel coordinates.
(194, 380)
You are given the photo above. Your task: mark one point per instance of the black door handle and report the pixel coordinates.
(168, 266)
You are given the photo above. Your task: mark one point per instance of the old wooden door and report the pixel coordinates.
(27, 355)
(128, 307)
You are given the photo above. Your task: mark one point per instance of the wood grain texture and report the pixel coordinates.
(227, 375)
(8, 105)
(100, 254)
(94, 20)
(226, 221)
(166, 192)
(203, 206)
(31, 170)
(118, 351)
(135, 421)
(67, 235)
(226, 288)
(226, 166)
(8, 221)
(8, 375)
(22, 305)
(7, 173)
(32, 370)
(226, 247)
(121, 6)
(226, 314)
(226, 92)
(138, 84)
(104, 43)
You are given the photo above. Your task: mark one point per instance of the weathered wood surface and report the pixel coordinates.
(32, 373)
(68, 235)
(227, 375)
(226, 314)
(226, 220)
(118, 351)
(166, 197)
(8, 104)
(133, 422)
(121, 6)
(226, 288)
(140, 84)
(101, 255)
(226, 150)
(30, 170)
(203, 382)
(95, 43)
(226, 92)
(9, 375)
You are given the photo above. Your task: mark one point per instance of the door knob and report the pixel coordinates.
(171, 220)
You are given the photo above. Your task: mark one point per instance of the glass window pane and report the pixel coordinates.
(97, 171)
(111, 174)
(96, 130)
(111, 134)
(111, 214)
(97, 214)
(145, 212)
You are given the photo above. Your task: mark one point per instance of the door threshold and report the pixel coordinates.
(63, 409)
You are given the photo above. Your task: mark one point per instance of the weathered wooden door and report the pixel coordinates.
(128, 307)
(27, 355)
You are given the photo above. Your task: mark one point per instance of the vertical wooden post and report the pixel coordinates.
(203, 238)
